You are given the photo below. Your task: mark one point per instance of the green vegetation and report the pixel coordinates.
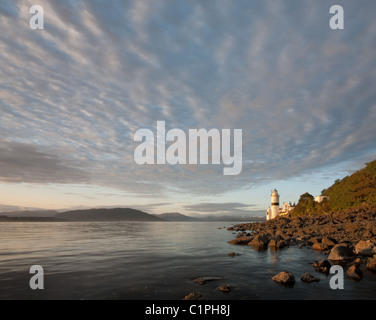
(353, 191)
(307, 205)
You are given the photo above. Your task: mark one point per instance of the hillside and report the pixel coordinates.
(354, 191)
(116, 214)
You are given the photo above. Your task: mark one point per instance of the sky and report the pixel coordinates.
(73, 95)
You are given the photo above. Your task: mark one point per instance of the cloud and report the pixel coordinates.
(151, 207)
(4, 208)
(219, 207)
(8, 8)
(21, 162)
(74, 94)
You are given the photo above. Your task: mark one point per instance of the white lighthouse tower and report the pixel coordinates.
(274, 208)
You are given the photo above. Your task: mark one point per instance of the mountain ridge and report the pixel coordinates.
(106, 214)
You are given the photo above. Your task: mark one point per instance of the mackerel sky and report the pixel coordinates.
(73, 95)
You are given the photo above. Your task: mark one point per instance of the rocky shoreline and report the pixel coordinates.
(347, 237)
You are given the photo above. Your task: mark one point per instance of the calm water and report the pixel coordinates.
(153, 260)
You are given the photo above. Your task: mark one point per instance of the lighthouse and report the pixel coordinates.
(273, 211)
(274, 204)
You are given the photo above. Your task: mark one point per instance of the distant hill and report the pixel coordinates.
(116, 214)
(28, 219)
(175, 216)
(30, 213)
(354, 190)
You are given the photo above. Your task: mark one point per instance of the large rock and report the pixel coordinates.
(277, 242)
(365, 248)
(323, 266)
(307, 277)
(354, 272)
(259, 242)
(285, 278)
(241, 240)
(341, 252)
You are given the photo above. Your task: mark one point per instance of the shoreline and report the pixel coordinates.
(347, 238)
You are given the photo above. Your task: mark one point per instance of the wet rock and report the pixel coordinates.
(277, 242)
(241, 240)
(341, 252)
(307, 277)
(225, 288)
(354, 272)
(204, 280)
(365, 248)
(194, 296)
(285, 278)
(323, 266)
(259, 242)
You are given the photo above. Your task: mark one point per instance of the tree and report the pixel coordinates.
(306, 205)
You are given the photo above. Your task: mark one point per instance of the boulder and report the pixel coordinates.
(354, 272)
(307, 277)
(330, 242)
(285, 278)
(351, 227)
(323, 266)
(371, 263)
(259, 242)
(241, 240)
(320, 246)
(341, 252)
(365, 248)
(277, 242)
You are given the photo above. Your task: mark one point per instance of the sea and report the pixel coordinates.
(155, 261)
